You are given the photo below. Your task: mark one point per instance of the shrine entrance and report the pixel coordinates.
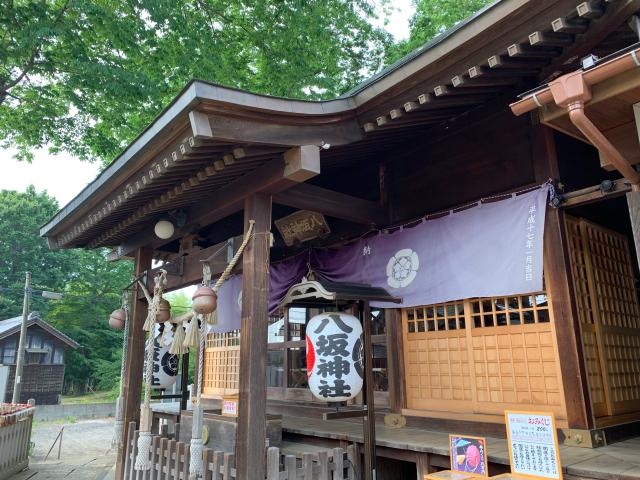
(609, 314)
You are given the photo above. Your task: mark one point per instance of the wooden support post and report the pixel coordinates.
(395, 358)
(369, 472)
(184, 381)
(251, 432)
(135, 356)
(559, 285)
(633, 200)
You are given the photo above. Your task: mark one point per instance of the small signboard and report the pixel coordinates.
(468, 459)
(468, 454)
(230, 406)
(533, 445)
(302, 226)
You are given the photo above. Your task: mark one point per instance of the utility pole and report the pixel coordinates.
(17, 386)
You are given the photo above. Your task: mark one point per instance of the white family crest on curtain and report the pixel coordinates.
(165, 365)
(334, 356)
(402, 268)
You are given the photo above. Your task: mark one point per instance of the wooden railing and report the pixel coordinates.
(170, 461)
(15, 438)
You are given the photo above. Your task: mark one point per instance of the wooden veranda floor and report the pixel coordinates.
(620, 461)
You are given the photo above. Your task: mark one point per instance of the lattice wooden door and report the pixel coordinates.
(482, 355)
(221, 364)
(609, 314)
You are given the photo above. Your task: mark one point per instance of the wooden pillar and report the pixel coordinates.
(395, 359)
(559, 285)
(633, 200)
(251, 432)
(135, 357)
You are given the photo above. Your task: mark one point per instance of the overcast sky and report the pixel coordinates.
(64, 176)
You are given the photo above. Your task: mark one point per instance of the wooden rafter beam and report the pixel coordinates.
(601, 25)
(298, 165)
(334, 204)
(593, 194)
(236, 130)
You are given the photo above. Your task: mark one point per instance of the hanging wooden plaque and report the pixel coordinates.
(302, 226)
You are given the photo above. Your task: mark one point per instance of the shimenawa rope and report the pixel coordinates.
(116, 441)
(196, 465)
(144, 439)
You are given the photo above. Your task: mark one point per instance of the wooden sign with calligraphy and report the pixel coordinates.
(302, 226)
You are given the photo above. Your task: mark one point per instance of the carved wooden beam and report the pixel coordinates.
(334, 204)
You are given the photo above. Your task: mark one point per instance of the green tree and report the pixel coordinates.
(433, 17)
(22, 249)
(87, 77)
(90, 284)
(91, 294)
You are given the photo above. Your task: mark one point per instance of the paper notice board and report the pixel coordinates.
(533, 444)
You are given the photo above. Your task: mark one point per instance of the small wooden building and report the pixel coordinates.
(430, 135)
(44, 357)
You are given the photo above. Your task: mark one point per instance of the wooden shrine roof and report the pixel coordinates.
(212, 138)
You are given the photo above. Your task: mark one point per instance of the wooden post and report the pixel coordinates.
(395, 359)
(135, 357)
(559, 285)
(251, 432)
(184, 384)
(370, 419)
(633, 200)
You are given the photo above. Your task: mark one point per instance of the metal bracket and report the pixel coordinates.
(584, 438)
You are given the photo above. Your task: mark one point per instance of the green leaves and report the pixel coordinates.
(432, 18)
(91, 285)
(87, 77)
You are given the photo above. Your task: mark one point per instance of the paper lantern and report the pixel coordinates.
(205, 300)
(116, 320)
(165, 365)
(334, 356)
(164, 311)
(164, 229)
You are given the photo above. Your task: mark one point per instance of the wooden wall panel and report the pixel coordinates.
(483, 159)
(483, 355)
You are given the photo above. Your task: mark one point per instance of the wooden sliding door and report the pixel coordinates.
(609, 313)
(482, 355)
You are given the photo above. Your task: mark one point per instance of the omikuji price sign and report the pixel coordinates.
(533, 444)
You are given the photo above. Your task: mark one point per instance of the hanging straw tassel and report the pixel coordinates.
(177, 347)
(116, 441)
(144, 447)
(191, 335)
(196, 466)
(212, 318)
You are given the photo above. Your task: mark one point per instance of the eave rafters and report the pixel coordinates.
(163, 186)
(506, 68)
(211, 136)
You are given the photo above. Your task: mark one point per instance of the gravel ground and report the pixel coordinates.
(85, 453)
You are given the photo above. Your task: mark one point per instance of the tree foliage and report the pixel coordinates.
(90, 284)
(87, 77)
(433, 17)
